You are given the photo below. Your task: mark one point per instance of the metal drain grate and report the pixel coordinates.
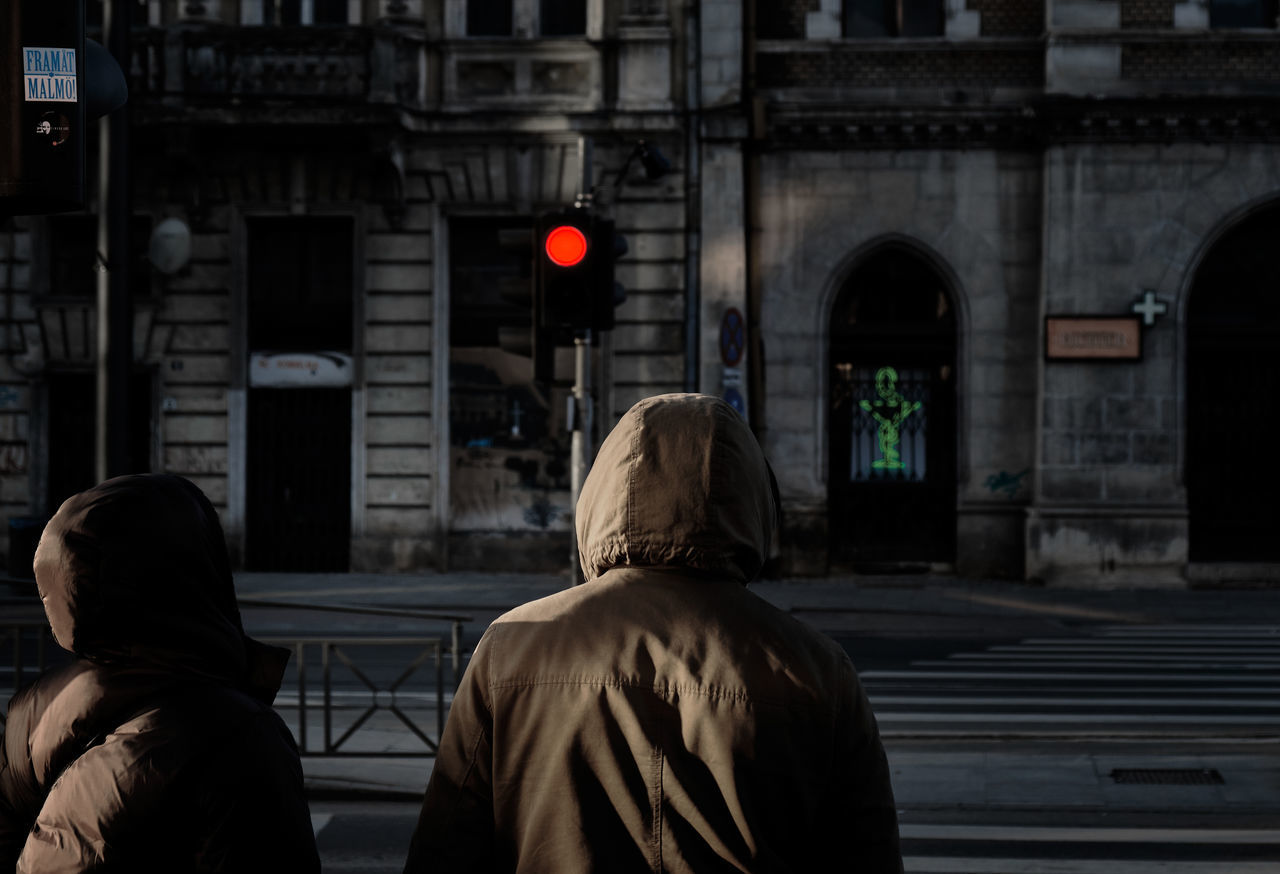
(1168, 776)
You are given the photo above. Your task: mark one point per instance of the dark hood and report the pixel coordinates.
(679, 482)
(135, 571)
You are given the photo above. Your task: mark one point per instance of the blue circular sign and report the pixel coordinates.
(733, 337)
(735, 400)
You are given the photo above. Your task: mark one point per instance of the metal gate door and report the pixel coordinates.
(298, 508)
(891, 471)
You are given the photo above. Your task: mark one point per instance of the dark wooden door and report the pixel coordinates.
(298, 514)
(892, 470)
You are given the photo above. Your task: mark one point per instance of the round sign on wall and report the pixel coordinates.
(733, 337)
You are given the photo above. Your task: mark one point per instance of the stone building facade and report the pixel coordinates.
(874, 214)
(1086, 158)
(332, 366)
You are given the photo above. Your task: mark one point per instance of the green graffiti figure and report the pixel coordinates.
(891, 410)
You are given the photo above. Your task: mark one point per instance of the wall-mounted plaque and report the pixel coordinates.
(299, 369)
(1093, 338)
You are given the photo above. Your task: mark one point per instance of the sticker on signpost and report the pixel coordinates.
(49, 75)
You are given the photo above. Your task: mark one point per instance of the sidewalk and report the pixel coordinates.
(998, 775)
(922, 595)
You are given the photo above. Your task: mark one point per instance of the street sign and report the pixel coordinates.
(733, 337)
(1092, 338)
(299, 370)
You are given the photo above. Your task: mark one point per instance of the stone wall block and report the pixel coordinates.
(398, 430)
(1131, 412)
(398, 277)
(196, 368)
(642, 307)
(398, 399)
(1154, 447)
(645, 368)
(397, 338)
(1071, 413)
(398, 308)
(398, 247)
(1069, 485)
(1148, 485)
(649, 338)
(397, 369)
(1104, 448)
(399, 490)
(1059, 448)
(399, 461)
(412, 521)
(194, 428)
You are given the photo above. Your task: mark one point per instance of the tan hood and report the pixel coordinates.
(680, 482)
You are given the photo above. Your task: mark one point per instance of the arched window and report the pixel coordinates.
(891, 471)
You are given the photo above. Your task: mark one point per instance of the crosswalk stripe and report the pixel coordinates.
(1272, 720)
(1154, 646)
(961, 865)
(1214, 664)
(941, 831)
(1271, 656)
(965, 700)
(1061, 675)
(1121, 680)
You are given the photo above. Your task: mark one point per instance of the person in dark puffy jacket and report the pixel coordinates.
(661, 717)
(157, 748)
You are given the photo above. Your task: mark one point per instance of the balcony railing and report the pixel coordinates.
(219, 65)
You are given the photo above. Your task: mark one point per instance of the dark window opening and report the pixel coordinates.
(504, 428)
(488, 17)
(563, 17)
(73, 256)
(300, 271)
(1242, 13)
(1233, 396)
(72, 399)
(866, 19)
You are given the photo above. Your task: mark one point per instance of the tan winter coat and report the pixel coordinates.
(156, 749)
(661, 717)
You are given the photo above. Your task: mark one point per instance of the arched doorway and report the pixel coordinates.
(892, 469)
(1233, 395)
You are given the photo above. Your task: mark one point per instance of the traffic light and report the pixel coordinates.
(58, 82)
(609, 246)
(564, 269)
(42, 167)
(575, 253)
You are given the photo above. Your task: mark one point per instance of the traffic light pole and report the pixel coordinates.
(581, 423)
(115, 308)
(581, 419)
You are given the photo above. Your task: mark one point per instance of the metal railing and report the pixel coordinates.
(389, 696)
(17, 636)
(338, 647)
(27, 640)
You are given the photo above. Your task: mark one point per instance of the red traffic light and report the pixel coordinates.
(565, 245)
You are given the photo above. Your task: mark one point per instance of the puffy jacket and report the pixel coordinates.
(157, 748)
(661, 717)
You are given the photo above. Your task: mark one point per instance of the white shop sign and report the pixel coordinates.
(299, 370)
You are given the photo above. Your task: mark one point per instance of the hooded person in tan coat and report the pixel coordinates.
(156, 748)
(661, 717)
